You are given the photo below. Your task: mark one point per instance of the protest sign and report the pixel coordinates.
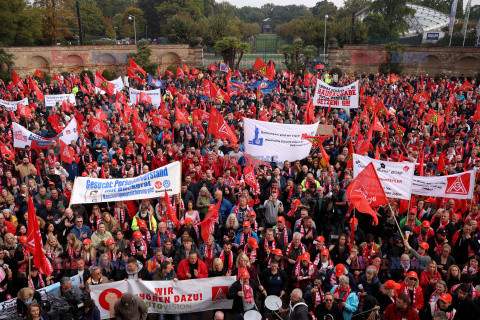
(168, 297)
(154, 94)
(118, 86)
(266, 86)
(455, 186)
(277, 142)
(341, 97)
(396, 177)
(12, 105)
(149, 185)
(52, 99)
(23, 137)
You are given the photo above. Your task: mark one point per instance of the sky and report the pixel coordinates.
(259, 3)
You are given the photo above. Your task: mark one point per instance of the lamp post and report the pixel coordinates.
(134, 27)
(115, 30)
(325, 37)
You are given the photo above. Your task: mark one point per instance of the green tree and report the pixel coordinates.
(342, 30)
(6, 61)
(152, 17)
(250, 14)
(127, 28)
(324, 7)
(394, 13)
(56, 15)
(376, 25)
(112, 7)
(390, 67)
(20, 23)
(292, 54)
(232, 50)
(180, 28)
(93, 22)
(142, 56)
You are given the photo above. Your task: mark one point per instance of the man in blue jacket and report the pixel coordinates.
(225, 206)
(80, 230)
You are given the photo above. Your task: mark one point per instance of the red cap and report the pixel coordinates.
(252, 213)
(278, 252)
(244, 274)
(412, 274)
(94, 163)
(320, 238)
(413, 210)
(424, 245)
(48, 202)
(446, 298)
(137, 234)
(109, 241)
(246, 224)
(188, 220)
(339, 270)
(426, 224)
(89, 166)
(304, 256)
(325, 252)
(87, 241)
(114, 161)
(430, 200)
(142, 224)
(84, 174)
(253, 242)
(390, 284)
(23, 239)
(281, 219)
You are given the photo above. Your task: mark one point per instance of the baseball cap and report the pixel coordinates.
(325, 252)
(441, 231)
(304, 256)
(244, 274)
(252, 213)
(426, 224)
(339, 270)
(413, 210)
(246, 224)
(109, 241)
(48, 202)
(142, 224)
(23, 239)
(390, 284)
(253, 243)
(278, 252)
(60, 206)
(446, 298)
(187, 220)
(430, 200)
(137, 234)
(424, 245)
(320, 238)
(281, 219)
(87, 241)
(412, 274)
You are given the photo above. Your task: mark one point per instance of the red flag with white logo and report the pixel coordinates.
(98, 127)
(219, 127)
(208, 223)
(66, 152)
(34, 242)
(170, 212)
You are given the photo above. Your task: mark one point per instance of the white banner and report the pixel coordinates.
(455, 186)
(118, 86)
(167, 297)
(396, 177)
(149, 185)
(341, 97)
(277, 142)
(12, 105)
(52, 99)
(23, 137)
(154, 94)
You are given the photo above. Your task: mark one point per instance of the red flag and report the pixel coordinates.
(182, 99)
(102, 83)
(212, 67)
(120, 97)
(208, 223)
(168, 72)
(377, 153)
(17, 82)
(310, 112)
(141, 137)
(38, 74)
(100, 114)
(421, 165)
(399, 130)
(366, 192)
(67, 154)
(362, 146)
(434, 118)
(264, 69)
(349, 159)
(441, 163)
(421, 97)
(135, 67)
(34, 242)
(180, 73)
(197, 123)
(202, 114)
(161, 122)
(250, 179)
(59, 78)
(466, 86)
(98, 127)
(324, 154)
(33, 86)
(138, 125)
(421, 110)
(132, 75)
(376, 125)
(194, 71)
(170, 212)
(23, 111)
(476, 116)
(180, 117)
(145, 98)
(219, 128)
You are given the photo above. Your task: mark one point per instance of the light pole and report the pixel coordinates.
(115, 30)
(325, 37)
(134, 27)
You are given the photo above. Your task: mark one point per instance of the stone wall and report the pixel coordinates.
(417, 60)
(78, 58)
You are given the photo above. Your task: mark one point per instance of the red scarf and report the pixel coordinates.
(284, 235)
(415, 297)
(95, 221)
(52, 254)
(242, 238)
(252, 255)
(450, 314)
(266, 247)
(119, 214)
(208, 255)
(23, 267)
(299, 267)
(337, 293)
(318, 298)
(289, 248)
(230, 259)
(369, 251)
(245, 215)
(146, 235)
(134, 250)
(247, 292)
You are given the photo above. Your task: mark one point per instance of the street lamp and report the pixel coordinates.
(134, 27)
(325, 37)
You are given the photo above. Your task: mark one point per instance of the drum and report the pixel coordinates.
(273, 303)
(252, 315)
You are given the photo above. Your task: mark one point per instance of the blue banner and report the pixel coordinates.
(156, 83)
(265, 86)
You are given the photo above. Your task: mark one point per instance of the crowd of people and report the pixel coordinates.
(293, 239)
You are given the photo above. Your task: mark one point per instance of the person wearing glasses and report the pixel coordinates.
(328, 309)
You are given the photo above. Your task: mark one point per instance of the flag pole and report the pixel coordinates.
(471, 200)
(394, 217)
(352, 236)
(73, 191)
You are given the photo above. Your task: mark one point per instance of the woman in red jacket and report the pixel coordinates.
(430, 277)
(192, 268)
(411, 287)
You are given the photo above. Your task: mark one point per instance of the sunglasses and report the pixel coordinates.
(414, 279)
(328, 299)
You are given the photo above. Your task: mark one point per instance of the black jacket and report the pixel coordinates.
(321, 311)
(237, 300)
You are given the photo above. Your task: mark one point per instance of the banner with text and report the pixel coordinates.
(396, 177)
(118, 86)
(149, 185)
(23, 137)
(52, 99)
(341, 97)
(455, 186)
(277, 142)
(12, 105)
(168, 297)
(266, 86)
(154, 94)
